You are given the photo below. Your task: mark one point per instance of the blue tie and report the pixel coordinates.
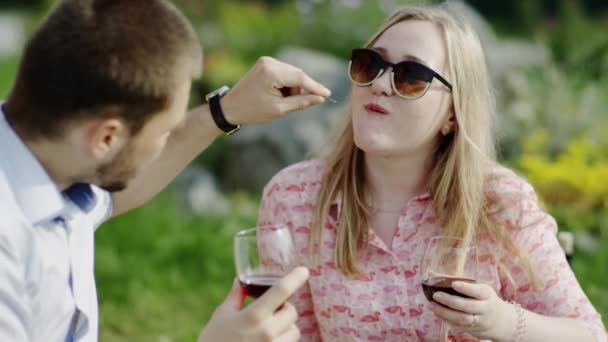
(82, 195)
(70, 337)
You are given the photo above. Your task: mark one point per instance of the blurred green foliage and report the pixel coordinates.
(573, 183)
(555, 121)
(580, 45)
(235, 34)
(161, 271)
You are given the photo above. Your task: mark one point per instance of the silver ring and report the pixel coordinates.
(473, 321)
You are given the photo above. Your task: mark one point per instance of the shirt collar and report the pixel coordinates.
(35, 193)
(423, 197)
(337, 201)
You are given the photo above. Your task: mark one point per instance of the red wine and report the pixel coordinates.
(442, 284)
(256, 285)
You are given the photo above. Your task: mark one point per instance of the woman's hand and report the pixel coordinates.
(484, 316)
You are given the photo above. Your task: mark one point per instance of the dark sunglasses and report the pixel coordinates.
(410, 79)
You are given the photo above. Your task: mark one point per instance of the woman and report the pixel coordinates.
(413, 160)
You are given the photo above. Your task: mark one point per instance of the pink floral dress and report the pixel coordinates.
(386, 303)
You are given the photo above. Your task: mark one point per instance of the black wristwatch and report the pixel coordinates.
(217, 113)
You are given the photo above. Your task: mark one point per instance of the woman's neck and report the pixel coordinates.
(394, 180)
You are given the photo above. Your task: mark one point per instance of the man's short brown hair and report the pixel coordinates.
(95, 57)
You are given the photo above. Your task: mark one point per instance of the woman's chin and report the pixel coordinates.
(374, 148)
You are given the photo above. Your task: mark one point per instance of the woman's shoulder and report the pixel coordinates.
(502, 183)
(297, 177)
(511, 199)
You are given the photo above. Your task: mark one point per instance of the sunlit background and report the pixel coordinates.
(163, 268)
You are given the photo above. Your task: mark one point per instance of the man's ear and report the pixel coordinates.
(106, 137)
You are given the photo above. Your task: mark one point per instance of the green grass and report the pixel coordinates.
(8, 71)
(592, 273)
(161, 271)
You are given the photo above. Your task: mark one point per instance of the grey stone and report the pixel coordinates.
(257, 152)
(13, 34)
(585, 242)
(197, 192)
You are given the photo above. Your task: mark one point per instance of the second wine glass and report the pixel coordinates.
(263, 255)
(445, 261)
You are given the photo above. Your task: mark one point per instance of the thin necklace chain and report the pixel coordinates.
(382, 210)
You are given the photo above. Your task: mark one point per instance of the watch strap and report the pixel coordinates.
(218, 115)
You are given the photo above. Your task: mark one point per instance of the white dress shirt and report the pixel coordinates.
(47, 281)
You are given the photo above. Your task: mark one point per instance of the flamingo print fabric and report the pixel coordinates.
(386, 303)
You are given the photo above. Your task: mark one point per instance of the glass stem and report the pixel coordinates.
(444, 332)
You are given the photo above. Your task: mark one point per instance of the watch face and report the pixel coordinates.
(236, 129)
(221, 91)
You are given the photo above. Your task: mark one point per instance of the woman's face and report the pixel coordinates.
(402, 127)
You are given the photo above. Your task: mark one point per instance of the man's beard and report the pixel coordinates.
(117, 186)
(114, 176)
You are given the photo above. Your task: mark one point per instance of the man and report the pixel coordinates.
(94, 126)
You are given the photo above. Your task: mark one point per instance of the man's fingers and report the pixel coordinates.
(281, 322)
(280, 292)
(294, 103)
(285, 91)
(235, 299)
(291, 335)
(294, 77)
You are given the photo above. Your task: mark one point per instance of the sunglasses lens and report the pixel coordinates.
(365, 66)
(412, 79)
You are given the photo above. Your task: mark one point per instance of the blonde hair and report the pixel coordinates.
(461, 159)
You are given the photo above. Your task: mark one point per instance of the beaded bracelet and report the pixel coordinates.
(520, 329)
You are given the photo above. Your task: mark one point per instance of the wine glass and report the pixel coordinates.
(446, 260)
(263, 255)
